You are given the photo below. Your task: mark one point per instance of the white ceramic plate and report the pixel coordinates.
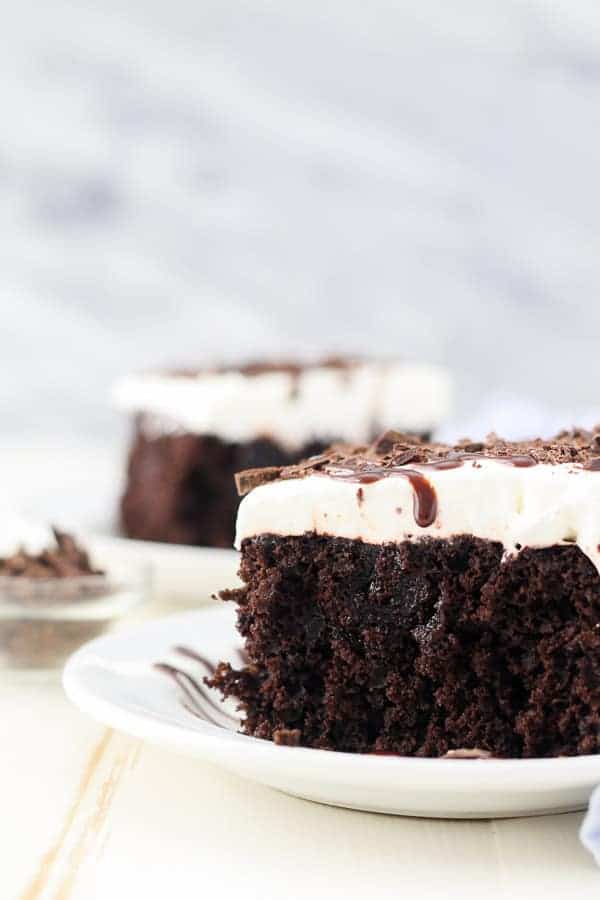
(114, 680)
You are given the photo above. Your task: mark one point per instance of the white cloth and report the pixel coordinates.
(590, 828)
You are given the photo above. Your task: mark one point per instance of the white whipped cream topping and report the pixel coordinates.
(17, 531)
(536, 506)
(319, 402)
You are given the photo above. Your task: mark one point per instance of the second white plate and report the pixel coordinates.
(181, 575)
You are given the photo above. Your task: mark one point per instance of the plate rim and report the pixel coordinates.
(123, 542)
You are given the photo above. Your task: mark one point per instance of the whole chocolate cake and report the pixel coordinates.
(424, 599)
(195, 429)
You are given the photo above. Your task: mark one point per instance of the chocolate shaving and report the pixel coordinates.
(385, 443)
(59, 575)
(249, 479)
(313, 462)
(395, 449)
(406, 457)
(66, 560)
(265, 367)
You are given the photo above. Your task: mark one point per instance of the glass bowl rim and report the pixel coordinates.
(114, 593)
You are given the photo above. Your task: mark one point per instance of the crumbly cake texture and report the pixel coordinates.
(426, 647)
(180, 487)
(421, 648)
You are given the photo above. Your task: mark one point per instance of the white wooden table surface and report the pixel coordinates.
(89, 814)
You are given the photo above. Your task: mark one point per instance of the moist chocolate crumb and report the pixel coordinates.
(231, 595)
(287, 737)
(425, 648)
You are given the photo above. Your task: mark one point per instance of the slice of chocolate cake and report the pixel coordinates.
(422, 599)
(194, 430)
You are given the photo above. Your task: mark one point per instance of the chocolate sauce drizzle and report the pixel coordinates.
(425, 499)
(424, 495)
(456, 460)
(196, 696)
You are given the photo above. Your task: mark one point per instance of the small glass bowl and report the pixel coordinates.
(44, 620)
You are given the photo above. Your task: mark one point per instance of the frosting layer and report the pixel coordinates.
(520, 506)
(292, 407)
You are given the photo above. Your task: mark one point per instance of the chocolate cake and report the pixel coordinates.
(194, 429)
(422, 599)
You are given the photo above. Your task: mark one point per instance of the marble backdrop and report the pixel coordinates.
(211, 177)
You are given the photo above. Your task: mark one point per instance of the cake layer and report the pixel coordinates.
(180, 487)
(291, 405)
(519, 495)
(422, 648)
